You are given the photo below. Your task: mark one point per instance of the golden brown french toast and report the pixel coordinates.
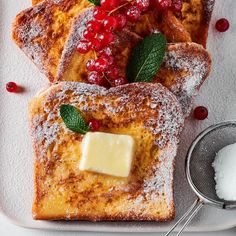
(185, 68)
(41, 31)
(148, 112)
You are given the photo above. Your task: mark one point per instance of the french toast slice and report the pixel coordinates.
(186, 65)
(185, 68)
(148, 112)
(42, 30)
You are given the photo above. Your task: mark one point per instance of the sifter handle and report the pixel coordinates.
(188, 215)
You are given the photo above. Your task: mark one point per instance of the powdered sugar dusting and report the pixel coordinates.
(78, 28)
(208, 6)
(162, 179)
(191, 71)
(165, 122)
(27, 33)
(165, 119)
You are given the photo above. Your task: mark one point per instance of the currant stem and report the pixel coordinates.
(106, 78)
(95, 54)
(116, 9)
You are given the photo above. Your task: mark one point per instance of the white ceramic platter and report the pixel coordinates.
(16, 156)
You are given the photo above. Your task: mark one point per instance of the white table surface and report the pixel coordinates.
(6, 228)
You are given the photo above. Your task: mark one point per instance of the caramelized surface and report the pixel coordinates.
(41, 31)
(62, 191)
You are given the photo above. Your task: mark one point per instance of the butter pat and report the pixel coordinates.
(105, 153)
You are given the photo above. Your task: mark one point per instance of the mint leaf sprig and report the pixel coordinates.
(95, 2)
(146, 58)
(73, 119)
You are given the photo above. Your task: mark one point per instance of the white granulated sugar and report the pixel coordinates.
(225, 173)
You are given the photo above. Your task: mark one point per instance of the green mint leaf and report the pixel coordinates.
(73, 119)
(146, 58)
(95, 2)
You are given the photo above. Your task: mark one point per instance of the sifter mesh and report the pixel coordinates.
(201, 155)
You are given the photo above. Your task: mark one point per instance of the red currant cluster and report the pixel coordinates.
(112, 16)
(174, 5)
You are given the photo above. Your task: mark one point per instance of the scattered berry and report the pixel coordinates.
(11, 87)
(101, 65)
(163, 5)
(120, 81)
(83, 46)
(200, 113)
(95, 78)
(99, 14)
(94, 26)
(142, 4)
(94, 125)
(133, 14)
(90, 65)
(110, 4)
(222, 25)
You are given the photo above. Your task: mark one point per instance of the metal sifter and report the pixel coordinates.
(199, 170)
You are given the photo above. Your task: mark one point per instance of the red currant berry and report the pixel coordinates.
(121, 21)
(11, 87)
(90, 65)
(222, 25)
(152, 4)
(96, 44)
(200, 113)
(113, 73)
(110, 4)
(106, 84)
(106, 38)
(109, 59)
(120, 81)
(163, 5)
(94, 125)
(101, 65)
(95, 78)
(83, 47)
(133, 14)
(99, 14)
(94, 26)
(142, 4)
(110, 23)
(177, 5)
(88, 34)
(107, 51)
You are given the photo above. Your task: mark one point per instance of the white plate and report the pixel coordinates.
(16, 158)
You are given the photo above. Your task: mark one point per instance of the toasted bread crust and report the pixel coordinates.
(185, 68)
(64, 192)
(42, 30)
